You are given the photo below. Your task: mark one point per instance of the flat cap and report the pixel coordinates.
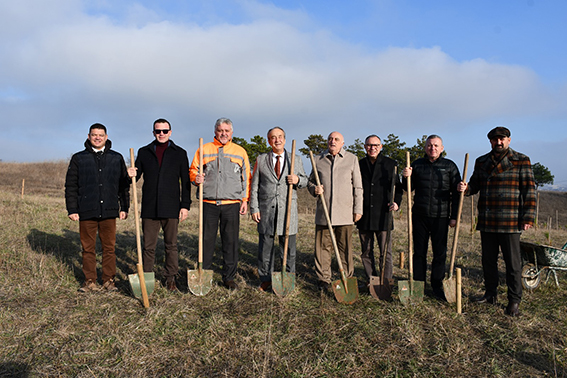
(499, 131)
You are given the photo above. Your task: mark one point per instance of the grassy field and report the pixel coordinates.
(48, 328)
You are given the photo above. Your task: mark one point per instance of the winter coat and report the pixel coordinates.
(376, 185)
(268, 195)
(97, 185)
(166, 188)
(507, 192)
(342, 185)
(435, 184)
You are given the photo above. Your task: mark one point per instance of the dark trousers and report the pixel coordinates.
(266, 255)
(227, 217)
(436, 229)
(509, 243)
(367, 254)
(107, 234)
(151, 229)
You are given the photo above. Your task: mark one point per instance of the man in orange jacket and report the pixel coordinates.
(226, 188)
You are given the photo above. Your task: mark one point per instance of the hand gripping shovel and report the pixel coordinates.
(450, 284)
(381, 288)
(283, 283)
(410, 291)
(142, 284)
(199, 280)
(345, 289)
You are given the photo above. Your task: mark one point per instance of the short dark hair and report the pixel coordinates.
(98, 126)
(372, 136)
(275, 128)
(161, 120)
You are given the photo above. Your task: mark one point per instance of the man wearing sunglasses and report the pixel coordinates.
(166, 197)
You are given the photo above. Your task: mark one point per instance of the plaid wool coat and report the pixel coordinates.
(507, 192)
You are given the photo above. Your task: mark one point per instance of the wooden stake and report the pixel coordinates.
(537, 210)
(459, 291)
(23, 184)
(472, 215)
(402, 260)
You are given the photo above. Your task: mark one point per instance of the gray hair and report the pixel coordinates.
(275, 128)
(434, 136)
(220, 121)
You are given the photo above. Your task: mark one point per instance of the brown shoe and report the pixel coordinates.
(265, 286)
(109, 285)
(170, 285)
(89, 286)
(231, 285)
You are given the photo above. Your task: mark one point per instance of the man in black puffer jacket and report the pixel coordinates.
(435, 207)
(97, 191)
(166, 197)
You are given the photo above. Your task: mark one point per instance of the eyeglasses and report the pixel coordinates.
(372, 145)
(161, 131)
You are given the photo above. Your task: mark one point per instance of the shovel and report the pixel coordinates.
(199, 280)
(283, 283)
(142, 284)
(381, 288)
(450, 284)
(345, 289)
(410, 291)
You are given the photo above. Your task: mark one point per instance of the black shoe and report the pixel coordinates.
(231, 285)
(486, 298)
(513, 309)
(324, 286)
(439, 294)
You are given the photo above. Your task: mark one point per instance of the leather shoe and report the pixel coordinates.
(486, 298)
(513, 309)
(230, 285)
(171, 286)
(265, 286)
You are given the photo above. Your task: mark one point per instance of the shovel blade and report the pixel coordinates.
(134, 279)
(283, 283)
(347, 295)
(408, 294)
(379, 290)
(199, 281)
(450, 289)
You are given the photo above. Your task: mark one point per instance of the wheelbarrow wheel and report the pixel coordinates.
(530, 277)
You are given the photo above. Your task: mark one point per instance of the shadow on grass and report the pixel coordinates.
(542, 363)
(14, 369)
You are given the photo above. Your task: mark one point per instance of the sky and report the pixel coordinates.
(360, 67)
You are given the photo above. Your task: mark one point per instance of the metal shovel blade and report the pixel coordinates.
(408, 294)
(283, 283)
(135, 284)
(199, 281)
(348, 296)
(450, 289)
(379, 290)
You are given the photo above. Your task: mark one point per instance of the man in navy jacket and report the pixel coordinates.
(166, 196)
(97, 191)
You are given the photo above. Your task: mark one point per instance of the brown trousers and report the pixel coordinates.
(324, 250)
(107, 234)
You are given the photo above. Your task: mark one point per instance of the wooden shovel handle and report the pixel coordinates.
(200, 261)
(140, 266)
(410, 225)
(459, 211)
(328, 218)
(288, 208)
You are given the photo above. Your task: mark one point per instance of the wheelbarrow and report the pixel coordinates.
(538, 259)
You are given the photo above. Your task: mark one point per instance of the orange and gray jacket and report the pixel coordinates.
(227, 173)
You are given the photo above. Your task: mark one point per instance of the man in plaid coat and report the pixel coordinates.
(506, 207)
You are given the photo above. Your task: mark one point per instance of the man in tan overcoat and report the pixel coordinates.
(341, 186)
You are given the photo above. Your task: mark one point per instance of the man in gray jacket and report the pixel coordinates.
(268, 203)
(341, 186)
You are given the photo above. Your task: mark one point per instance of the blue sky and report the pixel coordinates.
(410, 68)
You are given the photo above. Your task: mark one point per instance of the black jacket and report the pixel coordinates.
(97, 186)
(166, 189)
(435, 186)
(376, 184)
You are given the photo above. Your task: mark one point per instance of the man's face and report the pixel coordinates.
(500, 144)
(162, 132)
(335, 142)
(373, 146)
(433, 148)
(223, 133)
(98, 138)
(276, 139)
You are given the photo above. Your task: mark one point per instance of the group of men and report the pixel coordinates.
(357, 192)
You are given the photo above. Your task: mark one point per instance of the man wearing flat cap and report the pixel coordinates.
(506, 207)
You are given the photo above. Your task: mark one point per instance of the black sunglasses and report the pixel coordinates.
(161, 131)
